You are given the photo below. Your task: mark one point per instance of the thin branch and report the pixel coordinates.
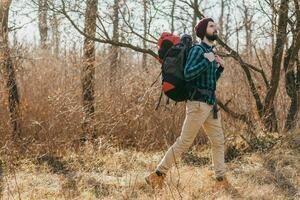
(262, 71)
(132, 30)
(235, 115)
(105, 41)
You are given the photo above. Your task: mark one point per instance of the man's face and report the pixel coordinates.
(211, 31)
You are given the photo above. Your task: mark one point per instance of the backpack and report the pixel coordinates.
(173, 52)
(174, 85)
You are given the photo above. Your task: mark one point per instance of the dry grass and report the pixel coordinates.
(103, 172)
(131, 137)
(51, 107)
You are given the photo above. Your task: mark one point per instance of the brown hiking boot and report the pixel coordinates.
(156, 179)
(222, 183)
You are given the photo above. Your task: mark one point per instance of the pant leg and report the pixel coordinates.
(214, 131)
(196, 114)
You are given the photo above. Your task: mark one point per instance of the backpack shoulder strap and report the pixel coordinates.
(195, 45)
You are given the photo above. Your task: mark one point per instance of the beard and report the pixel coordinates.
(212, 37)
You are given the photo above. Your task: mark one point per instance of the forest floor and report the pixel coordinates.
(108, 173)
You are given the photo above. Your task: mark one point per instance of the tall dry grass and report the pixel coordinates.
(52, 113)
(129, 130)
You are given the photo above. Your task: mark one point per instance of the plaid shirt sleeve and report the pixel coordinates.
(196, 63)
(219, 71)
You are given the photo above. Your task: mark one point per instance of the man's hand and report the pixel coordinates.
(210, 56)
(220, 60)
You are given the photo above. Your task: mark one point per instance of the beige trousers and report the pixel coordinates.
(198, 114)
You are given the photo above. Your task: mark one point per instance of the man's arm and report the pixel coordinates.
(219, 72)
(220, 68)
(196, 63)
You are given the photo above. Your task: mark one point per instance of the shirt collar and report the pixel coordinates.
(207, 46)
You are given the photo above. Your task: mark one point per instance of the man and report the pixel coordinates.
(202, 70)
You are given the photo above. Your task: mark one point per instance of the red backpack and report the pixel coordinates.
(172, 54)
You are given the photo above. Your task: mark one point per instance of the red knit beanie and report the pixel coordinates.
(200, 28)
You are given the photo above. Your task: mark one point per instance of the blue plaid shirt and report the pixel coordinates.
(199, 72)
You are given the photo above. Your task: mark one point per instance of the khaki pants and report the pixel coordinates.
(198, 114)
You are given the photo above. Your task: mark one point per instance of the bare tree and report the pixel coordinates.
(247, 22)
(173, 16)
(145, 6)
(115, 49)
(224, 20)
(292, 72)
(268, 109)
(43, 25)
(7, 69)
(103, 33)
(221, 18)
(194, 23)
(55, 33)
(88, 72)
(273, 21)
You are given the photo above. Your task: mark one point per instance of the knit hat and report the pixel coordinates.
(200, 28)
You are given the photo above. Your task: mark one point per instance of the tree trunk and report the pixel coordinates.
(88, 72)
(145, 5)
(273, 21)
(268, 117)
(221, 19)
(172, 16)
(292, 74)
(43, 27)
(115, 49)
(226, 27)
(292, 85)
(291, 121)
(55, 34)
(247, 24)
(9, 72)
(237, 39)
(194, 23)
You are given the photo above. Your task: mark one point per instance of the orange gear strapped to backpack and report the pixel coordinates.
(168, 36)
(174, 39)
(167, 86)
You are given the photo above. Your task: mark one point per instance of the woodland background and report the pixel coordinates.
(76, 86)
